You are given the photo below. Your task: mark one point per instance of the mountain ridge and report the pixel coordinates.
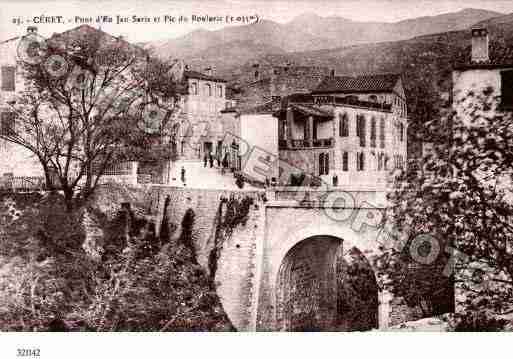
(310, 31)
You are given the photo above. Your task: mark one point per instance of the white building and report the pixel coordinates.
(489, 68)
(350, 131)
(14, 159)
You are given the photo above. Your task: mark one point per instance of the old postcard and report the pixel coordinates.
(255, 166)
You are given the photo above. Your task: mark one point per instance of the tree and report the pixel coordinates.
(459, 196)
(90, 101)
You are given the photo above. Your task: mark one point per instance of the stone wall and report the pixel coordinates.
(278, 81)
(248, 269)
(235, 276)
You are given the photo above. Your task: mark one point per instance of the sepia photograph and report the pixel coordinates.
(254, 166)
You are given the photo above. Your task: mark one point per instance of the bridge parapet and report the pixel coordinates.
(332, 198)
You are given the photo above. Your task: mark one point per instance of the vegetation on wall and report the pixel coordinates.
(236, 212)
(459, 195)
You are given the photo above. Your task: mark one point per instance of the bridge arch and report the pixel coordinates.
(311, 276)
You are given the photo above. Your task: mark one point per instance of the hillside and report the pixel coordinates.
(308, 32)
(425, 63)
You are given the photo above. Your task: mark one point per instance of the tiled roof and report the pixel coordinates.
(364, 83)
(200, 76)
(500, 56)
(312, 110)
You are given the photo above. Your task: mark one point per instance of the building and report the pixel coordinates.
(15, 160)
(262, 82)
(198, 127)
(349, 131)
(485, 67)
(207, 125)
(20, 162)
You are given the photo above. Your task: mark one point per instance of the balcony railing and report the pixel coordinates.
(305, 144)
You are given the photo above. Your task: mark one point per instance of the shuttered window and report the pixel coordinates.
(324, 164)
(360, 129)
(382, 132)
(8, 77)
(344, 125)
(360, 161)
(373, 132)
(345, 161)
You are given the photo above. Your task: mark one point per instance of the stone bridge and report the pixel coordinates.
(303, 261)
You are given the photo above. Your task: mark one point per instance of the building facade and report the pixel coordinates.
(485, 71)
(14, 159)
(350, 132)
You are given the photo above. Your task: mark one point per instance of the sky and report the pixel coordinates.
(76, 12)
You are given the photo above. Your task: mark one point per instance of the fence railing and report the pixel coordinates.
(305, 144)
(22, 183)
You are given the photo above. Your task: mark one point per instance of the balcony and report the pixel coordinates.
(305, 144)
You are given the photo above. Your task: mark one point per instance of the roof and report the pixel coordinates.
(200, 76)
(363, 83)
(499, 56)
(309, 99)
(311, 110)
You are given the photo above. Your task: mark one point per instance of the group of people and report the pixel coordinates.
(209, 158)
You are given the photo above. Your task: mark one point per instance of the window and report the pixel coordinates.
(507, 88)
(7, 123)
(345, 161)
(360, 129)
(382, 132)
(194, 88)
(324, 166)
(219, 90)
(380, 162)
(8, 78)
(398, 162)
(360, 161)
(208, 91)
(401, 132)
(373, 98)
(373, 132)
(343, 125)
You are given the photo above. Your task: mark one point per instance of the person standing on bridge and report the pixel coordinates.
(183, 175)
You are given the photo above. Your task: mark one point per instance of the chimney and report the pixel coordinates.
(32, 30)
(208, 71)
(480, 44)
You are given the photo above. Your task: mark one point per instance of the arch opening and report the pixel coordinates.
(321, 286)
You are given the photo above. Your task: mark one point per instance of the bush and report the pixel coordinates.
(49, 283)
(478, 322)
